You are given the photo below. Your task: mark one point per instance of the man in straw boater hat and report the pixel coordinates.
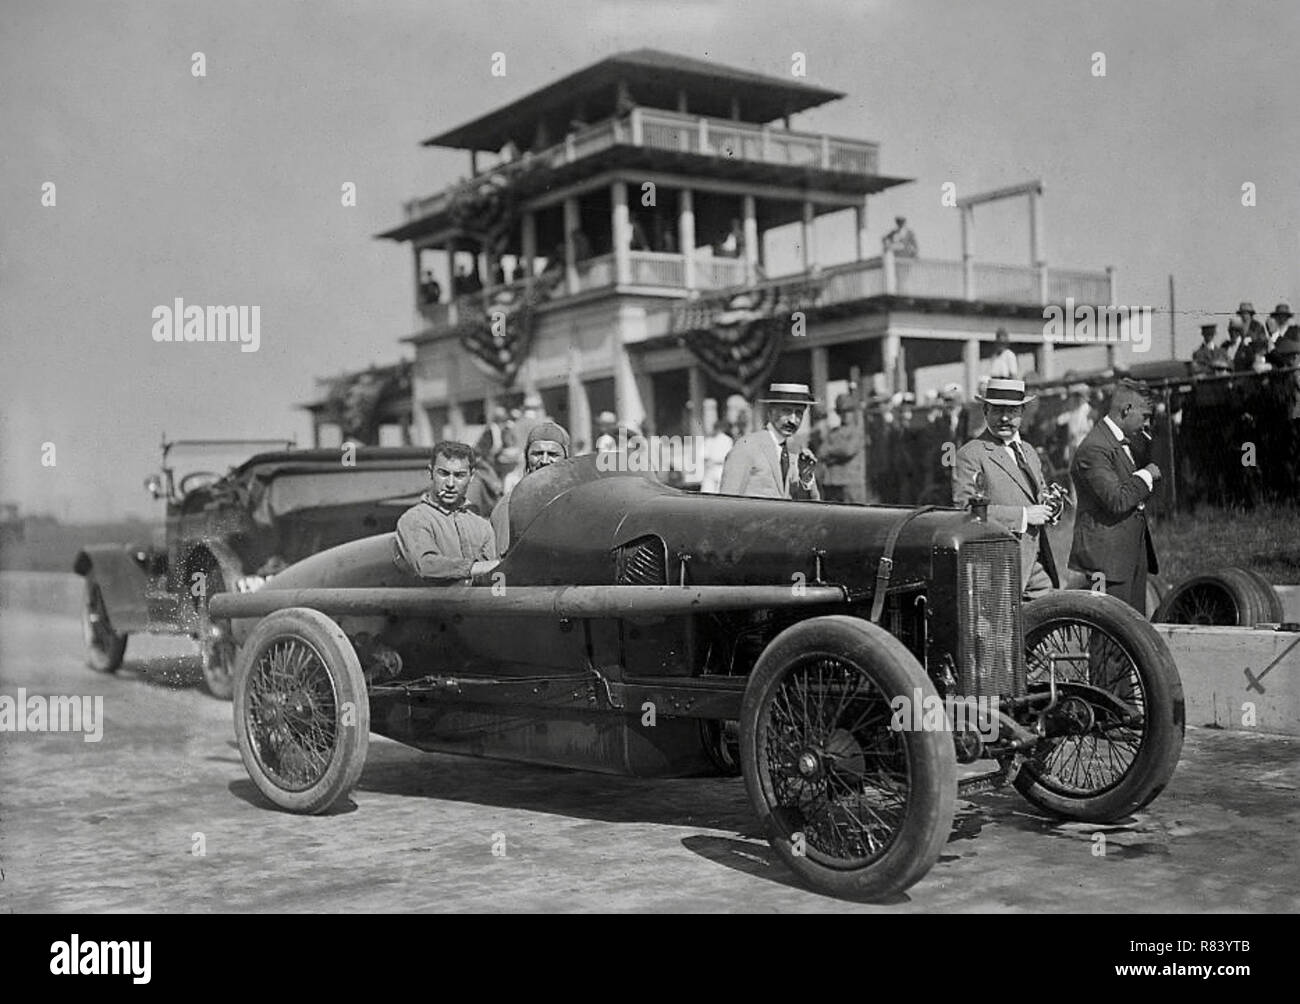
(1011, 477)
(760, 463)
(1111, 537)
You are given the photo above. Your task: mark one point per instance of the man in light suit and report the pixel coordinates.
(1011, 476)
(760, 464)
(1111, 537)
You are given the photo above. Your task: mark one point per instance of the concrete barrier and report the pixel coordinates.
(1245, 679)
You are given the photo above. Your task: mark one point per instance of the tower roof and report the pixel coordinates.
(653, 78)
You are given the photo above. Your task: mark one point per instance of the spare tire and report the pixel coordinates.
(1276, 614)
(1229, 597)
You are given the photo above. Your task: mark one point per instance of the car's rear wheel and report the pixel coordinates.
(1115, 735)
(218, 652)
(105, 647)
(854, 807)
(302, 717)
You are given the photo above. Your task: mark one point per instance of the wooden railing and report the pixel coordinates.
(656, 129)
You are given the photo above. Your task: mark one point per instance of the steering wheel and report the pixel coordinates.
(197, 480)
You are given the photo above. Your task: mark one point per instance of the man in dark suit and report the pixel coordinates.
(1011, 476)
(1111, 537)
(760, 463)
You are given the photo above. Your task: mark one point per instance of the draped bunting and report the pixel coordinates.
(356, 401)
(498, 337)
(739, 347)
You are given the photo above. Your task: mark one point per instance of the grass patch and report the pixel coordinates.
(1266, 539)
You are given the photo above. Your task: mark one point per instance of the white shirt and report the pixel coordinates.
(1144, 474)
(1005, 365)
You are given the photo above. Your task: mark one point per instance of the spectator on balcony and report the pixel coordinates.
(640, 242)
(430, 291)
(581, 245)
(1005, 365)
(466, 281)
(733, 245)
(668, 241)
(901, 241)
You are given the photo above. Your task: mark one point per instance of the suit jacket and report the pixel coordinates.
(1109, 529)
(753, 467)
(1008, 492)
(844, 455)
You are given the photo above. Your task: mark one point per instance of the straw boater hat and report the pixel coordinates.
(1003, 391)
(787, 393)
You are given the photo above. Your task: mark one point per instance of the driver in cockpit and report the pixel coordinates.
(440, 537)
(547, 443)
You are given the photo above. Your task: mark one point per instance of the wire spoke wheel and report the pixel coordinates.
(851, 805)
(1204, 603)
(1115, 733)
(302, 716)
(832, 767)
(292, 714)
(1102, 745)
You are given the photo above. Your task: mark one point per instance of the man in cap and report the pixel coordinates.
(1011, 476)
(1203, 357)
(1281, 328)
(548, 442)
(440, 537)
(843, 452)
(1005, 365)
(760, 464)
(1111, 538)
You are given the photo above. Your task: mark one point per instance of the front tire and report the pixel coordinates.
(853, 807)
(1099, 766)
(105, 648)
(302, 716)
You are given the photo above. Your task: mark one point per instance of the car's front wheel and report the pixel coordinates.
(105, 647)
(854, 806)
(1115, 734)
(302, 716)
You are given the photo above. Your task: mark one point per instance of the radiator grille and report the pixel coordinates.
(642, 562)
(991, 647)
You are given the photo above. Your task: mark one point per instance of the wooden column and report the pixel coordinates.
(686, 234)
(968, 252)
(621, 233)
(971, 358)
(1044, 360)
(571, 223)
(528, 249)
(808, 236)
(891, 351)
(820, 358)
(698, 425)
(860, 231)
(751, 238)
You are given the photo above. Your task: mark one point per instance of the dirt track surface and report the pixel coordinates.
(113, 825)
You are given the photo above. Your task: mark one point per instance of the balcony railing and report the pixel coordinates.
(896, 276)
(655, 129)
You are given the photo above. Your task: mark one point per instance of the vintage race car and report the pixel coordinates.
(232, 532)
(843, 658)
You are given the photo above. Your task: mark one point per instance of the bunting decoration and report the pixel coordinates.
(739, 346)
(355, 402)
(498, 337)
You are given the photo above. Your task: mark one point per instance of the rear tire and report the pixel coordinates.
(853, 807)
(105, 648)
(302, 716)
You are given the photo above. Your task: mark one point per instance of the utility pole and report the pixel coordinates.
(1173, 342)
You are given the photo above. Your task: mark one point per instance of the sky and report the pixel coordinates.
(226, 188)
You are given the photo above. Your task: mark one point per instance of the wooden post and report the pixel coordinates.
(621, 233)
(751, 239)
(860, 230)
(968, 252)
(571, 223)
(808, 236)
(686, 234)
(971, 359)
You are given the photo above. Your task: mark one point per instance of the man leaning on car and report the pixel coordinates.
(440, 537)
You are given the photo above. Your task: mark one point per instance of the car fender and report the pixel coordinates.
(207, 552)
(122, 582)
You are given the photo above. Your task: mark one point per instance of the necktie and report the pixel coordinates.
(785, 467)
(1024, 467)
